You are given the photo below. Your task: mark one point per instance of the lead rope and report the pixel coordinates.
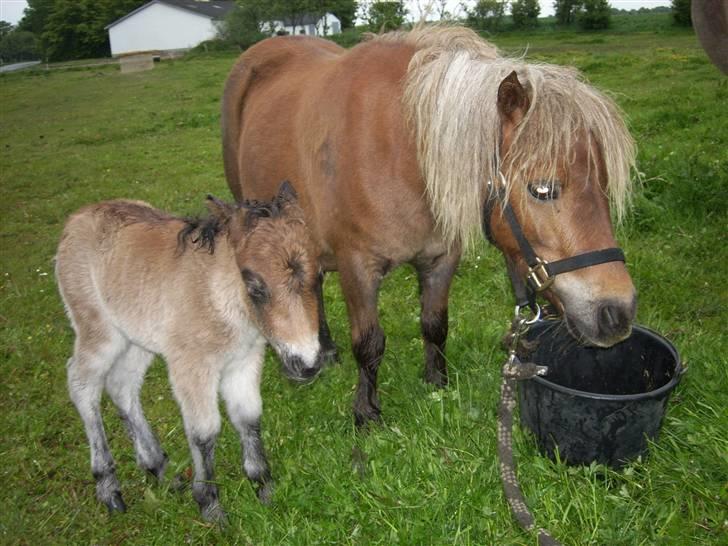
(514, 370)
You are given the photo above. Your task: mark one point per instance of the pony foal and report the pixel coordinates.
(206, 295)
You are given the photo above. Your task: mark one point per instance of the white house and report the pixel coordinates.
(311, 25)
(167, 26)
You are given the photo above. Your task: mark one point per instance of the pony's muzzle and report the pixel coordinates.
(614, 320)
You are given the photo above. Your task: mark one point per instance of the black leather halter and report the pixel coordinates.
(540, 272)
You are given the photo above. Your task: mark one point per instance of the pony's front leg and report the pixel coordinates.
(194, 383)
(360, 277)
(435, 276)
(329, 351)
(240, 387)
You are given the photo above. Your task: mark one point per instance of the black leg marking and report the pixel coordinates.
(368, 351)
(329, 351)
(255, 463)
(204, 491)
(434, 333)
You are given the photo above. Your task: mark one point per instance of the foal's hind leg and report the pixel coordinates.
(360, 279)
(195, 382)
(240, 387)
(123, 383)
(329, 351)
(93, 356)
(435, 276)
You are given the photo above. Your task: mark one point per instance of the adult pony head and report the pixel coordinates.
(537, 136)
(396, 146)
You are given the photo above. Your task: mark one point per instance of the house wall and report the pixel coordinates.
(333, 25)
(160, 27)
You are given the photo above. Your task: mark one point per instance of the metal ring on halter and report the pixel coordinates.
(533, 320)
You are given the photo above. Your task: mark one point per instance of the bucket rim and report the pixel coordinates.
(656, 393)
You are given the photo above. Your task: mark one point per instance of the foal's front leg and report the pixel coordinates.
(195, 383)
(240, 387)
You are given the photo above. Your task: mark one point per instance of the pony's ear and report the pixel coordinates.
(286, 195)
(219, 209)
(513, 100)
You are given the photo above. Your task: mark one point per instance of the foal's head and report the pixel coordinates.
(278, 267)
(560, 171)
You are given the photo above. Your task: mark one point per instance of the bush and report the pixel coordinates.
(681, 13)
(525, 13)
(17, 46)
(487, 14)
(384, 16)
(594, 15)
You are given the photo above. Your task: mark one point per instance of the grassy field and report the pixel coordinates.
(72, 137)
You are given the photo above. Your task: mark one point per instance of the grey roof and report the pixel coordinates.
(213, 9)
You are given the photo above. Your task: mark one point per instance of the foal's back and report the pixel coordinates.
(119, 268)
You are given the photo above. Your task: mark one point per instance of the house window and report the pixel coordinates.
(335, 27)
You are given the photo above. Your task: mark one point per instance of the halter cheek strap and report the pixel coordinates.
(540, 272)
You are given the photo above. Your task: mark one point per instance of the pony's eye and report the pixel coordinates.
(544, 190)
(256, 287)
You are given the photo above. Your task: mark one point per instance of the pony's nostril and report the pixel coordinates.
(613, 319)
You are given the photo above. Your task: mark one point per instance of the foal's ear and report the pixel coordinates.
(219, 209)
(513, 100)
(286, 195)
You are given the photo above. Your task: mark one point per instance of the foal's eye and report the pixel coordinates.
(545, 190)
(256, 287)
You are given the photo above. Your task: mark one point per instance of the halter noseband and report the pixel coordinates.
(540, 272)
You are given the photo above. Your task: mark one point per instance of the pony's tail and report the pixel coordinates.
(236, 88)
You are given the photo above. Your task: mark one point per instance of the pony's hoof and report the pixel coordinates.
(158, 469)
(115, 503)
(265, 493)
(436, 378)
(362, 417)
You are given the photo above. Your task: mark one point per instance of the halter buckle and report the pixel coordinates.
(539, 276)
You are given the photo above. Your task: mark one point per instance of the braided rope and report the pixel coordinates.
(512, 371)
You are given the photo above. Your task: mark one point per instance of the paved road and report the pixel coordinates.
(17, 66)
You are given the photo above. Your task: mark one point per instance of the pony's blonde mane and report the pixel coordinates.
(450, 100)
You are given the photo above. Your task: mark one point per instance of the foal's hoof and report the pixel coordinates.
(265, 493)
(330, 356)
(213, 513)
(158, 469)
(115, 503)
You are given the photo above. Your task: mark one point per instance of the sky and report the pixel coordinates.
(12, 10)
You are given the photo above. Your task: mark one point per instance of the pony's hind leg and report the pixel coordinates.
(240, 387)
(93, 356)
(124, 383)
(195, 383)
(360, 280)
(435, 276)
(329, 351)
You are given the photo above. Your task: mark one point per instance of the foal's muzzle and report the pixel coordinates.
(296, 369)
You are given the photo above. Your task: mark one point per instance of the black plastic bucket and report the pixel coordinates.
(597, 404)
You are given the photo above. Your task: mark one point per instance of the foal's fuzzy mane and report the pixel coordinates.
(450, 101)
(203, 232)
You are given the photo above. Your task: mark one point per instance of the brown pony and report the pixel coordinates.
(395, 146)
(204, 294)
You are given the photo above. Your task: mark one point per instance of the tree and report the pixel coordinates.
(594, 15)
(566, 11)
(487, 14)
(36, 15)
(5, 29)
(243, 25)
(384, 16)
(525, 13)
(681, 13)
(18, 45)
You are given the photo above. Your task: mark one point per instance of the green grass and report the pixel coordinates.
(430, 476)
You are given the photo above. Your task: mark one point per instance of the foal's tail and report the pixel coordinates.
(236, 87)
